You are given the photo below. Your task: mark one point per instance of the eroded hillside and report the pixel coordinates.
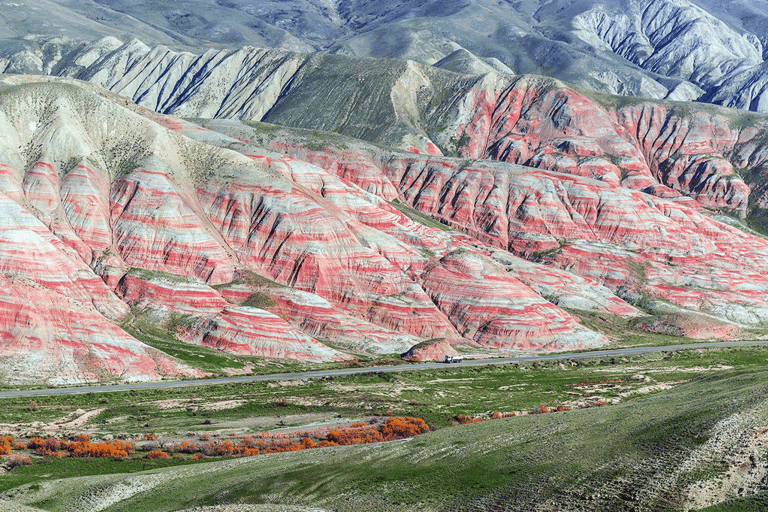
(311, 245)
(109, 206)
(672, 150)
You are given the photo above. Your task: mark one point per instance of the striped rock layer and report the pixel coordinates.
(269, 243)
(586, 232)
(109, 211)
(671, 150)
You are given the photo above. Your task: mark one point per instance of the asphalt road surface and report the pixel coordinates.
(377, 369)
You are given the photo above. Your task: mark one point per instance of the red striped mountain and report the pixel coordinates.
(646, 249)
(106, 205)
(671, 150)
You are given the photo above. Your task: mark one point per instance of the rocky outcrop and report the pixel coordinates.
(154, 228)
(255, 332)
(356, 239)
(279, 231)
(660, 149)
(320, 319)
(501, 311)
(629, 241)
(147, 290)
(51, 337)
(430, 350)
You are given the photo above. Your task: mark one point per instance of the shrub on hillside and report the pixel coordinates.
(157, 454)
(404, 427)
(18, 460)
(6, 444)
(116, 449)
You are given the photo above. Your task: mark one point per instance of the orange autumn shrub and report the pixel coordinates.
(18, 460)
(404, 427)
(462, 419)
(247, 442)
(157, 454)
(44, 446)
(293, 447)
(117, 449)
(184, 447)
(356, 433)
(6, 445)
(248, 447)
(224, 449)
(208, 448)
(35, 443)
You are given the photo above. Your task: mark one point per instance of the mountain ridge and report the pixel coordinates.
(138, 192)
(704, 52)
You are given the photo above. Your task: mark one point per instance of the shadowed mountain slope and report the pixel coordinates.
(673, 49)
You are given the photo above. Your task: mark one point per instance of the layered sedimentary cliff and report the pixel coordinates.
(666, 149)
(108, 206)
(634, 243)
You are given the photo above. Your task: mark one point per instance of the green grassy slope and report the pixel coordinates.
(638, 455)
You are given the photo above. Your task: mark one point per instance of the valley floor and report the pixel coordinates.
(657, 445)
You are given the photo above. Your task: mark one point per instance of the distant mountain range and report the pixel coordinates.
(675, 49)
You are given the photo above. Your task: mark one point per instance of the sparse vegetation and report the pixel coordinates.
(178, 321)
(611, 454)
(437, 396)
(419, 217)
(259, 300)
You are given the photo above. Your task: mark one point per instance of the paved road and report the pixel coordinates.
(376, 369)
